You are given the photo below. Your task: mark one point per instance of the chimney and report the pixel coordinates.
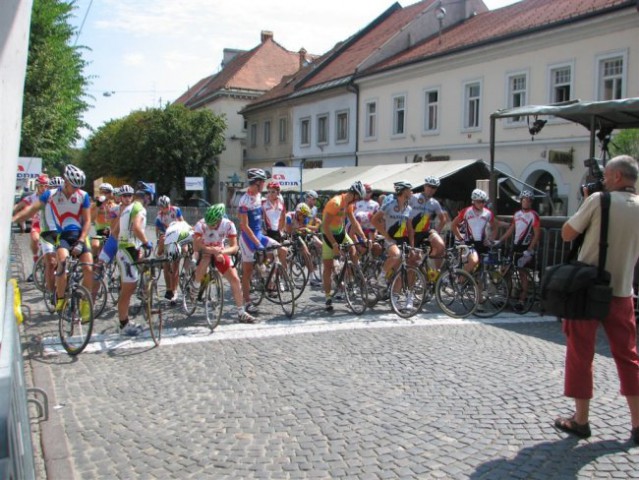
(302, 54)
(266, 35)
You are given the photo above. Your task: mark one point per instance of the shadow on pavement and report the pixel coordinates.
(561, 459)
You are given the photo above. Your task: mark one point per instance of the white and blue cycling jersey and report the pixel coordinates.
(66, 211)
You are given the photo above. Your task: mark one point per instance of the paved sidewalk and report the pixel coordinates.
(338, 397)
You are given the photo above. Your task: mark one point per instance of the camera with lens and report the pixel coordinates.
(596, 174)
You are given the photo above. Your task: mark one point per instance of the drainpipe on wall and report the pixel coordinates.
(351, 87)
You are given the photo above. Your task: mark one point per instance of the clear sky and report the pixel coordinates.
(144, 53)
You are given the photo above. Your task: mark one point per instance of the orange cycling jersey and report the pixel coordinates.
(337, 208)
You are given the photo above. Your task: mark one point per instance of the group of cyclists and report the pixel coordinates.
(64, 215)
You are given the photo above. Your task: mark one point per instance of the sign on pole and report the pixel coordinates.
(28, 167)
(194, 183)
(289, 178)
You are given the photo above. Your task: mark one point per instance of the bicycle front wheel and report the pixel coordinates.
(522, 293)
(38, 274)
(153, 311)
(101, 296)
(75, 322)
(407, 291)
(355, 289)
(213, 299)
(297, 273)
(493, 293)
(189, 298)
(456, 293)
(285, 290)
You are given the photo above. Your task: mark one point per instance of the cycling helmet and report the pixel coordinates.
(312, 194)
(358, 188)
(255, 174)
(107, 187)
(273, 186)
(126, 190)
(74, 176)
(142, 188)
(55, 182)
(479, 195)
(164, 201)
(401, 186)
(214, 213)
(116, 191)
(432, 181)
(526, 194)
(304, 209)
(42, 179)
(368, 188)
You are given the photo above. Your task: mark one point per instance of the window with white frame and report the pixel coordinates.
(305, 131)
(283, 127)
(399, 114)
(560, 83)
(517, 86)
(431, 111)
(267, 132)
(472, 96)
(341, 126)
(322, 129)
(371, 120)
(253, 135)
(611, 76)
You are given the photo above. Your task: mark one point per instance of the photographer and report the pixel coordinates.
(619, 178)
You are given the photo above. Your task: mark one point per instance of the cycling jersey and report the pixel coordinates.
(396, 219)
(128, 215)
(215, 237)
(366, 209)
(102, 219)
(423, 211)
(273, 213)
(166, 218)
(474, 223)
(35, 220)
(337, 208)
(66, 211)
(292, 221)
(251, 206)
(525, 222)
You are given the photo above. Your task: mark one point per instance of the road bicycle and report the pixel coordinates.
(210, 294)
(493, 287)
(456, 292)
(297, 264)
(270, 280)
(146, 297)
(349, 279)
(521, 285)
(74, 328)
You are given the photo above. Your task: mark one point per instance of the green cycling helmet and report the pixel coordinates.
(214, 213)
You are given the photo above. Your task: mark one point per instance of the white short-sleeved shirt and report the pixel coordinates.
(215, 237)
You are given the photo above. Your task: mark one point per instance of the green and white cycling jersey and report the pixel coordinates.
(126, 238)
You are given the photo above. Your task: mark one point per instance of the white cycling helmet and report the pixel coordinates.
(479, 194)
(164, 201)
(126, 190)
(526, 194)
(256, 174)
(432, 181)
(312, 194)
(55, 182)
(358, 188)
(74, 176)
(107, 187)
(402, 185)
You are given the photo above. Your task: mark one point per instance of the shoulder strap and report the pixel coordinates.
(603, 233)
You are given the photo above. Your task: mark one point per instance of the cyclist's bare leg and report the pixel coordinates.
(236, 287)
(247, 272)
(201, 268)
(437, 249)
(50, 263)
(392, 261)
(327, 272)
(126, 292)
(87, 270)
(61, 274)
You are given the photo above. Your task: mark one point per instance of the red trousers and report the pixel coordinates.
(621, 329)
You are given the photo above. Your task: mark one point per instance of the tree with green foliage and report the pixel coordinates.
(161, 145)
(55, 86)
(626, 142)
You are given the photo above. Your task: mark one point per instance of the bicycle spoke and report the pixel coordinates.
(213, 299)
(74, 328)
(153, 311)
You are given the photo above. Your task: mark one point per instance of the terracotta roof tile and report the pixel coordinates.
(520, 17)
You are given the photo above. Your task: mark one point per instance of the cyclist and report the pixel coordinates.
(337, 210)
(424, 208)
(251, 236)
(42, 183)
(365, 209)
(130, 231)
(100, 214)
(216, 240)
(526, 227)
(49, 238)
(72, 216)
(274, 212)
(311, 201)
(479, 225)
(392, 222)
(167, 214)
(298, 221)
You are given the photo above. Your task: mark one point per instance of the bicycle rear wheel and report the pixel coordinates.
(189, 300)
(75, 331)
(100, 300)
(213, 298)
(38, 274)
(285, 290)
(517, 290)
(113, 282)
(407, 291)
(297, 273)
(153, 311)
(355, 289)
(258, 288)
(493, 293)
(456, 293)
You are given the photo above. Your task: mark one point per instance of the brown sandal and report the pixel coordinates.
(569, 425)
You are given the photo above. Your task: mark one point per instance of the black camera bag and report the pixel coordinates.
(576, 290)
